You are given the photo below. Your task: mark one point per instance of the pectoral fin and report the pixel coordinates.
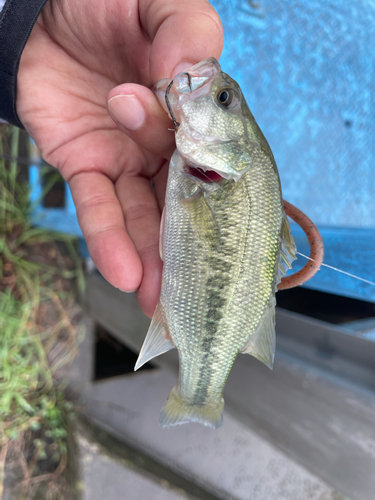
(288, 250)
(262, 343)
(157, 340)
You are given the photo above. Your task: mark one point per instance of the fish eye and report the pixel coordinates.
(225, 97)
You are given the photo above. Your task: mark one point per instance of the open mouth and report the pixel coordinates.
(205, 176)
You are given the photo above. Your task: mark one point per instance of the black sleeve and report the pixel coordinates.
(16, 22)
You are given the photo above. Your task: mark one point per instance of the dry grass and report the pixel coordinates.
(40, 276)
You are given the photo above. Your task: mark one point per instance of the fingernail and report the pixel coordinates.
(127, 111)
(181, 67)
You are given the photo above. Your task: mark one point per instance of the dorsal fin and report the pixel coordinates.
(157, 340)
(262, 343)
(288, 249)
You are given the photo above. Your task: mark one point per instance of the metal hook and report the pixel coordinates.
(189, 79)
(175, 122)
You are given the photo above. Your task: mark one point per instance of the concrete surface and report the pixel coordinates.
(317, 405)
(105, 478)
(232, 462)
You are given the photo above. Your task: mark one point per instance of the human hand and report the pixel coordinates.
(78, 51)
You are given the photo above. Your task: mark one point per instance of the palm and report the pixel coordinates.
(77, 53)
(74, 115)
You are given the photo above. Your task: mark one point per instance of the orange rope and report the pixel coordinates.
(316, 249)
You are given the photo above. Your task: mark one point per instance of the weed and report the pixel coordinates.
(37, 336)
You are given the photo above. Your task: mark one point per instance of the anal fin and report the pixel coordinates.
(262, 343)
(157, 340)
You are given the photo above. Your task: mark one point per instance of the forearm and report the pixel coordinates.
(17, 19)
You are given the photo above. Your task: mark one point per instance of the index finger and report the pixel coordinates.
(183, 32)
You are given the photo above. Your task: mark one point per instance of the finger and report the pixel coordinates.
(142, 219)
(101, 220)
(137, 112)
(183, 32)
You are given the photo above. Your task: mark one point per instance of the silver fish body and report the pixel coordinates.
(224, 244)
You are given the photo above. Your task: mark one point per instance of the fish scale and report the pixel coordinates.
(221, 245)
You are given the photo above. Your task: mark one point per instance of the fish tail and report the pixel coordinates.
(177, 411)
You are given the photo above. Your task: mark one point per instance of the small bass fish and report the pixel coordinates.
(225, 241)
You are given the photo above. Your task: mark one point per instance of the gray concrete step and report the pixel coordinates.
(317, 406)
(105, 477)
(232, 462)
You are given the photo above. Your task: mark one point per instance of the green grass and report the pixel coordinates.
(38, 281)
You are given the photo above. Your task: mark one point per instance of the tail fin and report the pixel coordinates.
(177, 411)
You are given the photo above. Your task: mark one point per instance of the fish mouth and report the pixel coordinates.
(208, 176)
(210, 167)
(206, 173)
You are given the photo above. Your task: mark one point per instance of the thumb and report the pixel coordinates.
(183, 32)
(137, 112)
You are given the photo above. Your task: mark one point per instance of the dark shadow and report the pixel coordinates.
(327, 307)
(55, 197)
(112, 358)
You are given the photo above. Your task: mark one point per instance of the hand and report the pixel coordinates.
(78, 51)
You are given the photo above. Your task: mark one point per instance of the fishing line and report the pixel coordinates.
(338, 270)
(211, 181)
(27, 162)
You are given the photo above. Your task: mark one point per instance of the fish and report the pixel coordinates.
(225, 243)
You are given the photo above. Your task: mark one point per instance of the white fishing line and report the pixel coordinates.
(211, 181)
(339, 270)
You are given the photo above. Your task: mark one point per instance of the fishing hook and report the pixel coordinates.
(175, 122)
(189, 79)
